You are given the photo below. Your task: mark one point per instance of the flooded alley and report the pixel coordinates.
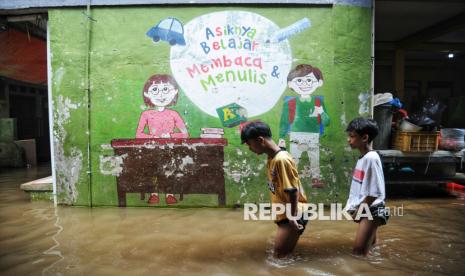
(167, 123)
(37, 238)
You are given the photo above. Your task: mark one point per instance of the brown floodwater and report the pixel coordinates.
(37, 238)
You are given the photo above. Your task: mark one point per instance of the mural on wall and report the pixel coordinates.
(162, 159)
(232, 61)
(231, 65)
(239, 59)
(161, 91)
(304, 118)
(170, 30)
(171, 166)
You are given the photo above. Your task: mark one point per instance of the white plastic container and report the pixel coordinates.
(409, 127)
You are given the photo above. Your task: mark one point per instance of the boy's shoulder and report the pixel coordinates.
(371, 156)
(282, 156)
(282, 160)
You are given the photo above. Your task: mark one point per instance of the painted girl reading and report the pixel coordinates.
(159, 92)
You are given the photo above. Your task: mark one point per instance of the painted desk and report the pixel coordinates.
(171, 165)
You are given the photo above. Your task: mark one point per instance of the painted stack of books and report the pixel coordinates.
(212, 133)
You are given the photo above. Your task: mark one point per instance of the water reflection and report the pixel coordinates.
(37, 238)
(54, 250)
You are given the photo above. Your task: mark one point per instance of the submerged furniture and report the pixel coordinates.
(171, 165)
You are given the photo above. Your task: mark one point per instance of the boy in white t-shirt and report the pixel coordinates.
(367, 189)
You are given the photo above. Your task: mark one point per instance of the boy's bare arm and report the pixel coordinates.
(368, 200)
(293, 198)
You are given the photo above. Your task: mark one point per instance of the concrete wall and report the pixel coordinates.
(101, 61)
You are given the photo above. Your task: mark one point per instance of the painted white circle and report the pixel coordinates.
(228, 58)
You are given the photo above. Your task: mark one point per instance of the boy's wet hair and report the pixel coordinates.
(363, 126)
(254, 130)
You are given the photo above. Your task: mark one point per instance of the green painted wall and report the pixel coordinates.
(109, 53)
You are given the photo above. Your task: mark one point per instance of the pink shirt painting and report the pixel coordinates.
(161, 123)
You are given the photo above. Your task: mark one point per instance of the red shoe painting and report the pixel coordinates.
(154, 199)
(170, 199)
